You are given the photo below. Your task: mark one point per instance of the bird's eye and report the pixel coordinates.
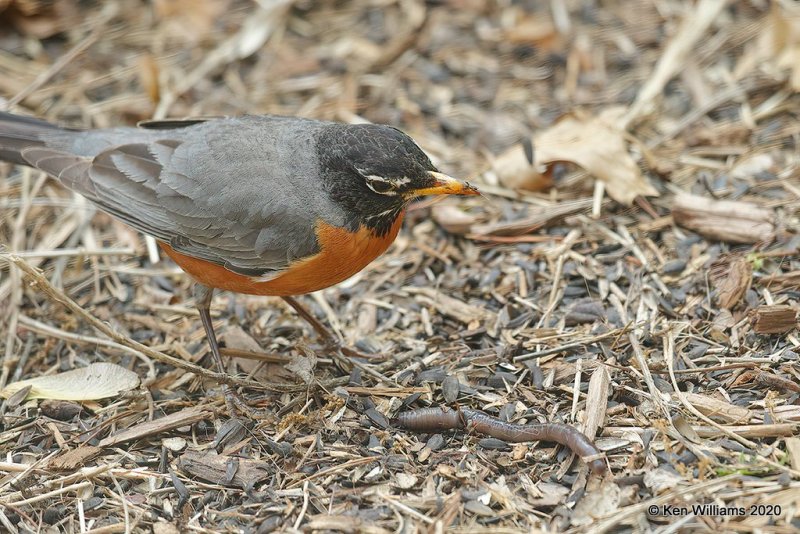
(380, 185)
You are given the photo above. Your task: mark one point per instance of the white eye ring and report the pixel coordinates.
(373, 181)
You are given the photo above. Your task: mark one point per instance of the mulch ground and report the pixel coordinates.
(631, 270)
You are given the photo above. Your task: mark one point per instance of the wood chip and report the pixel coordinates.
(169, 422)
(596, 401)
(225, 470)
(774, 319)
(75, 458)
(732, 276)
(452, 307)
(724, 220)
(793, 448)
(718, 409)
(539, 218)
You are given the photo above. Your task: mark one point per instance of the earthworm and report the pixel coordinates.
(433, 419)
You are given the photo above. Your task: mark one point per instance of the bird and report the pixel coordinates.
(255, 204)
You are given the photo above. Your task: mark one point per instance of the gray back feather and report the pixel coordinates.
(240, 192)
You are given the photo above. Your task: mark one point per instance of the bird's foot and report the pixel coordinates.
(236, 404)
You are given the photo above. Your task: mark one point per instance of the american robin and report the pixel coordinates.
(263, 205)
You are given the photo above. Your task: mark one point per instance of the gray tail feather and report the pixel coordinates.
(18, 132)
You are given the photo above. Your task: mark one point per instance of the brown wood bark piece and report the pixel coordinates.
(224, 470)
(776, 319)
(75, 458)
(732, 276)
(724, 220)
(164, 424)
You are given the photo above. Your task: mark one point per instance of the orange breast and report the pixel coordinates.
(342, 254)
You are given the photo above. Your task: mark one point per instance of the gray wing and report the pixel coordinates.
(235, 192)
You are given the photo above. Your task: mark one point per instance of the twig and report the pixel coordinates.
(59, 296)
(125, 511)
(79, 251)
(669, 356)
(37, 326)
(304, 507)
(693, 28)
(571, 346)
(54, 493)
(655, 394)
(99, 23)
(253, 35)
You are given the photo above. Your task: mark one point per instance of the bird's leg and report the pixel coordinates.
(321, 329)
(202, 299)
(327, 336)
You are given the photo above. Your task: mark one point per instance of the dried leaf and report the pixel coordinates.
(42, 19)
(535, 30)
(148, 71)
(596, 401)
(230, 432)
(777, 382)
(450, 389)
(514, 169)
(549, 494)
(720, 326)
(303, 367)
(175, 444)
(405, 481)
(478, 508)
(686, 430)
(342, 523)
(162, 527)
(377, 418)
(753, 165)
(97, 381)
(596, 144)
(190, 20)
(60, 410)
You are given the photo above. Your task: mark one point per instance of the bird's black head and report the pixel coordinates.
(373, 171)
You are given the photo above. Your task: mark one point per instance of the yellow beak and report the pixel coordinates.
(446, 185)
